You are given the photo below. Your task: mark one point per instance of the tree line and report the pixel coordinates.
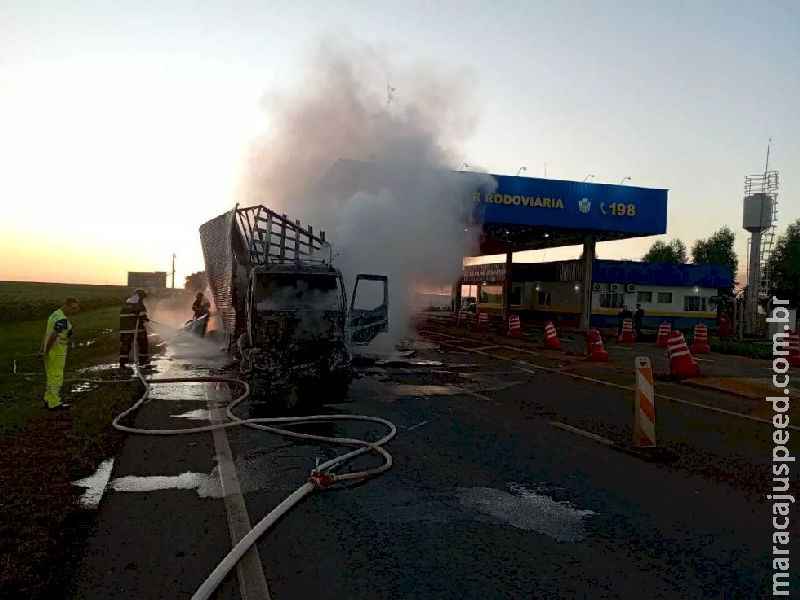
(717, 249)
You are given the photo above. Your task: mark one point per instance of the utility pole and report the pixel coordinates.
(173, 270)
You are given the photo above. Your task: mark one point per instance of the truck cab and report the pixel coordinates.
(284, 306)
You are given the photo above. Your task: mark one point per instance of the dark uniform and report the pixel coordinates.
(200, 307)
(132, 318)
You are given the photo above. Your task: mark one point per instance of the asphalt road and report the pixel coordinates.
(489, 496)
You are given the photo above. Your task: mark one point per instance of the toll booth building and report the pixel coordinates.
(681, 294)
(529, 213)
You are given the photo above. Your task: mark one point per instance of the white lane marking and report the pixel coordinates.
(477, 395)
(250, 571)
(620, 347)
(618, 386)
(703, 359)
(584, 433)
(420, 424)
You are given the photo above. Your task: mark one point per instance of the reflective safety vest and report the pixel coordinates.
(59, 323)
(132, 316)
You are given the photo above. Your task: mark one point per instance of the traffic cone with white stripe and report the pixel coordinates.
(551, 337)
(663, 333)
(595, 350)
(700, 341)
(483, 322)
(794, 349)
(514, 327)
(681, 363)
(644, 409)
(627, 334)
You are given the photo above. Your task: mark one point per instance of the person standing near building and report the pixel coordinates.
(54, 352)
(132, 318)
(638, 319)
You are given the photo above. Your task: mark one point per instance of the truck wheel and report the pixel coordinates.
(337, 388)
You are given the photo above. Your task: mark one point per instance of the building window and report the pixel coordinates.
(515, 297)
(491, 294)
(644, 297)
(664, 298)
(612, 300)
(543, 298)
(694, 303)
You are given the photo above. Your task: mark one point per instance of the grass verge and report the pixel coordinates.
(42, 528)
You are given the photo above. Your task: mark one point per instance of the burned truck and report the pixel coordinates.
(283, 308)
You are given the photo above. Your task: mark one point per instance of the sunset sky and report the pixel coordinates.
(125, 125)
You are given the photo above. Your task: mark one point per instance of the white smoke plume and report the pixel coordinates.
(411, 224)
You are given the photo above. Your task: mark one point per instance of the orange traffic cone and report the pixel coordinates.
(595, 350)
(700, 341)
(663, 334)
(551, 337)
(794, 349)
(627, 334)
(725, 326)
(483, 322)
(681, 363)
(514, 327)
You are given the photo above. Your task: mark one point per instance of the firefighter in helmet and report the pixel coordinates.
(132, 319)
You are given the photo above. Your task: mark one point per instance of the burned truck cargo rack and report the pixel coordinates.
(274, 238)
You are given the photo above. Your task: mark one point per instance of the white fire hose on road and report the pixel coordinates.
(320, 477)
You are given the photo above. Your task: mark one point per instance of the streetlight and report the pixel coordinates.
(587, 177)
(624, 179)
(521, 169)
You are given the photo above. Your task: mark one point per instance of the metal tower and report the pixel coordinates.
(759, 218)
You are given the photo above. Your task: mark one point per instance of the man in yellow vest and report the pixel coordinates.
(54, 352)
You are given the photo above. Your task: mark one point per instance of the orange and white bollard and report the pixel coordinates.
(627, 334)
(681, 363)
(514, 327)
(644, 409)
(595, 351)
(794, 349)
(664, 330)
(483, 322)
(551, 337)
(700, 341)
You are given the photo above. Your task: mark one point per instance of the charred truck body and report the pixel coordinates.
(283, 306)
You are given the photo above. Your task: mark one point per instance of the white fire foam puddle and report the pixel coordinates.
(95, 485)
(207, 485)
(194, 415)
(528, 510)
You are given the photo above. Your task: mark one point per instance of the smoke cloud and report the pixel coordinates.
(410, 220)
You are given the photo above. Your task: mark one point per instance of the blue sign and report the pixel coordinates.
(572, 205)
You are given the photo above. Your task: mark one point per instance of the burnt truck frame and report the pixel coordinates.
(283, 306)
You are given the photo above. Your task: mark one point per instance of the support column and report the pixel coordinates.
(587, 261)
(507, 287)
(456, 295)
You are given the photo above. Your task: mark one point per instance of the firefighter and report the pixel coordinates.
(132, 318)
(201, 307)
(54, 352)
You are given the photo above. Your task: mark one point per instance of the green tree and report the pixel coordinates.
(717, 250)
(196, 282)
(784, 265)
(660, 252)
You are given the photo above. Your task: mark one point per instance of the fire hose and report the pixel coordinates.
(320, 477)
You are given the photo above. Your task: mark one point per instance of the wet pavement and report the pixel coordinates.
(486, 499)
